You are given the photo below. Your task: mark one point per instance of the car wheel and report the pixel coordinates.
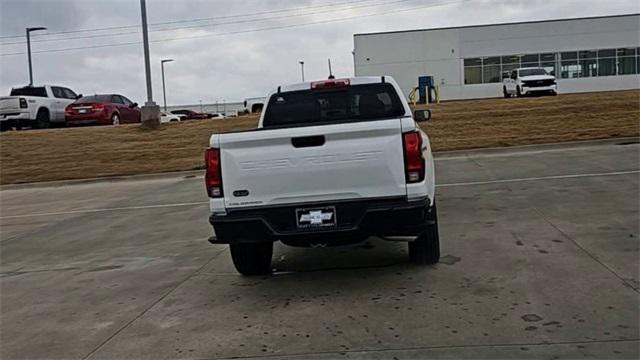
(505, 93)
(252, 258)
(425, 250)
(42, 119)
(115, 119)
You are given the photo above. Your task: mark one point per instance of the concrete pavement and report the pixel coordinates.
(540, 259)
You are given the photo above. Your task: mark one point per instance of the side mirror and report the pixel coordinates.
(134, 105)
(505, 75)
(422, 115)
(78, 96)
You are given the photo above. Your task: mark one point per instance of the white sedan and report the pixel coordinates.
(166, 118)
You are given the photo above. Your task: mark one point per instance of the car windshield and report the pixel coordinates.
(349, 103)
(529, 72)
(29, 91)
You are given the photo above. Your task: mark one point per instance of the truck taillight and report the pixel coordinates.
(413, 160)
(213, 177)
(23, 103)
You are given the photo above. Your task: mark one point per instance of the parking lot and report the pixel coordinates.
(540, 259)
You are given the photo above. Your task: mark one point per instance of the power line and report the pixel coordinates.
(214, 24)
(343, 3)
(243, 31)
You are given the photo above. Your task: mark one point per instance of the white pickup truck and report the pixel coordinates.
(528, 81)
(35, 106)
(332, 162)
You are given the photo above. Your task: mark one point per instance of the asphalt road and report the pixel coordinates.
(540, 259)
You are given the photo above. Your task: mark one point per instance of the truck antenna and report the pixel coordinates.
(330, 73)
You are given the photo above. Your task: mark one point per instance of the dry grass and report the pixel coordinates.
(74, 153)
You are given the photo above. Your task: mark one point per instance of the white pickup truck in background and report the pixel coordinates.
(332, 162)
(526, 81)
(35, 106)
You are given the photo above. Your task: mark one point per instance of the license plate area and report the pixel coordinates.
(316, 218)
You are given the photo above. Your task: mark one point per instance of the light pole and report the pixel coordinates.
(302, 69)
(150, 112)
(224, 107)
(29, 30)
(164, 90)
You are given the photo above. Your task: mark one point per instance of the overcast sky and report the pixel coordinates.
(212, 64)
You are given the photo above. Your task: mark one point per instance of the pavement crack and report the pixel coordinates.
(122, 328)
(625, 281)
(418, 348)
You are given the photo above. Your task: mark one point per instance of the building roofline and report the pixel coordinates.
(498, 24)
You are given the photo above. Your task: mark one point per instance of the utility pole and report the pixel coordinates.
(29, 30)
(302, 69)
(150, 112)
(164, 90)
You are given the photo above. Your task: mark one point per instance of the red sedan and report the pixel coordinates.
(106, 109)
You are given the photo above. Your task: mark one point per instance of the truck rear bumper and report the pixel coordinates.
(356, 220)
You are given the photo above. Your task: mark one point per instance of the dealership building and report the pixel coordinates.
(585, 54)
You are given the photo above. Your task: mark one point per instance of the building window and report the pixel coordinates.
(491, 70)
(627, 61)
(548, 62)
(588, 63)
(473, 71)
(606, 62)
(569, 65)
(530, 60)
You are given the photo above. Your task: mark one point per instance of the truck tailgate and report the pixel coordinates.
(312, 164)
(9, 104)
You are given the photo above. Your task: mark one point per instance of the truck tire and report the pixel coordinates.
(505, 93)
(5, 125)
(252, 258)
(425, 250)
(42, 119)
(518, 92)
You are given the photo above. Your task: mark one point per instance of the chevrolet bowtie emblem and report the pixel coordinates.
(316, 217)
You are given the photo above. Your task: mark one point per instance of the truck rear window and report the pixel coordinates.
(29, 91)
(344, 104)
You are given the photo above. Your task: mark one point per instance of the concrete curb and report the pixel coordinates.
(438, 154)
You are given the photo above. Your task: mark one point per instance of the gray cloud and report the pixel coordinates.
(232, 67)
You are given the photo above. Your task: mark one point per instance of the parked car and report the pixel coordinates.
(102, 109)
(331, 163)
(528, 81)
(166, 118)
(35, 106)
(189, 114)
(216, 116)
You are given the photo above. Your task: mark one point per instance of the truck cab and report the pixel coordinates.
(524, 81)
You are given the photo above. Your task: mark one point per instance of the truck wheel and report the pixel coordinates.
(42, 119)
(5, 125)
(518, 92)
(252, 258)
(425, 250)
(505, 93)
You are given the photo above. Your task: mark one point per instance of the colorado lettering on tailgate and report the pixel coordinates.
(310, 160)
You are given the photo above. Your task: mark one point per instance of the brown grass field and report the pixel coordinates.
(87, 152)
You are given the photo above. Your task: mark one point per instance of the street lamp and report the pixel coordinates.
(29, 30)
(164, 90)
(302, 69)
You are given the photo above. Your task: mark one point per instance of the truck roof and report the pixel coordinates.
(358, 80)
